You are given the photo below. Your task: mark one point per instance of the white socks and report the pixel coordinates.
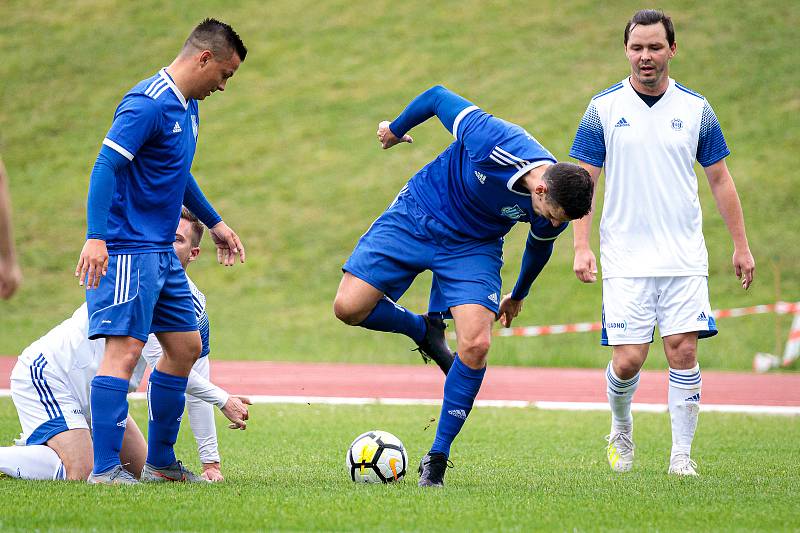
(620, 396)
(684, 406)
(31, 462)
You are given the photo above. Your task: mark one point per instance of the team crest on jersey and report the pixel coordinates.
(677, 124)
(481, 177)
(194, 126)
(515, 212)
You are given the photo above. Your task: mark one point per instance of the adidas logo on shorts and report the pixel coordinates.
(493, 297)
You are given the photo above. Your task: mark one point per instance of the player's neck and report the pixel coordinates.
(533, 178)
(180, 74)
(650, 90)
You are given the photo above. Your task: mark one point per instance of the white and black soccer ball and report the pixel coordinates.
(376, 457)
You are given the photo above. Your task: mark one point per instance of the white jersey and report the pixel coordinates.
(652, 224)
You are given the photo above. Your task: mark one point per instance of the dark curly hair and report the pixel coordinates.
(570, 187)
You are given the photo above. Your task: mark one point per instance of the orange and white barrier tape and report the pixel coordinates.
(780, 308)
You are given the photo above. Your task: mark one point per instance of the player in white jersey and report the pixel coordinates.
(51, 385)
(647, 131)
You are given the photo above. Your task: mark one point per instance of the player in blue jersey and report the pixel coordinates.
(647, 131)
(50, 387)
(135, 284)
(450, 219)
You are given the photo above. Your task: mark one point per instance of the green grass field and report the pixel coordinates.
(515, 470)
(288, 153)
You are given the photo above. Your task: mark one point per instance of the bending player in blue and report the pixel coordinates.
(450, 218)
(134, 282)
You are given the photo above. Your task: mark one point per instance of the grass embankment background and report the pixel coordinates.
(288, 155)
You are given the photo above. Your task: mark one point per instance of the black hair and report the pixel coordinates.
(220, 38)
(646, 17)
(570, 187)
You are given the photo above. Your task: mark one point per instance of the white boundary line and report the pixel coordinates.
(546, 406)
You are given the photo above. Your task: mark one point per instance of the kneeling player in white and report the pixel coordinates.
(50, 388)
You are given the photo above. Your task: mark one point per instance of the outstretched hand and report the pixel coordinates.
(235, 410)
(389, 139)
(212, 472)
(509, 309)
(228, 244)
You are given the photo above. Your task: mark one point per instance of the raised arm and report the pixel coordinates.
(436, 101)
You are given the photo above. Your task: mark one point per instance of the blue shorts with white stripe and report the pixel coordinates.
(141, 294)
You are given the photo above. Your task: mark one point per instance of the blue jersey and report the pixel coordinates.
(472, 187)
(155, 128)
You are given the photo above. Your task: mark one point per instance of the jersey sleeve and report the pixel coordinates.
(711, 145)
(492, 143)
(543, 230)
(137, 118)
(589, 145)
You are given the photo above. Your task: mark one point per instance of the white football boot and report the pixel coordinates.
(682, 465)
(620, 451)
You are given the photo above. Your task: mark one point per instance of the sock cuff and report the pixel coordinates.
(685, 379)
(466, 371)
(110, 383)
(168, 381)
(617, 382)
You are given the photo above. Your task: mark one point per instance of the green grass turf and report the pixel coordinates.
(288, 153)
(515, 470)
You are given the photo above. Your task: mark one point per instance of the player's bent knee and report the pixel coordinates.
(347, 312)
(477, 348)
(74, 448)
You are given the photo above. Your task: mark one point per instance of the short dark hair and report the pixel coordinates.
(646, 17)
(220, 38)
(570, 187)
(197, 226)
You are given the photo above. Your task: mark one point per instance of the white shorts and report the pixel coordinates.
(45, 402)
(633, 306)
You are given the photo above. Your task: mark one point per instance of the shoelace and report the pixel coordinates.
(623, 438)
(121, 472)
(682, 461)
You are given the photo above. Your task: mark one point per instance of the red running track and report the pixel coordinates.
(501, 383)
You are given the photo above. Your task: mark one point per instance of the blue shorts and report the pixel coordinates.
(405, 240)
(141, 294)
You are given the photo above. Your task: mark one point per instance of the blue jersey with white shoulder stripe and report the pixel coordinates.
(472, 186)
(155, 128)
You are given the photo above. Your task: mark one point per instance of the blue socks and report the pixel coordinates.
(460, 388)
(108, 399)
(394, 318)
(166, 399)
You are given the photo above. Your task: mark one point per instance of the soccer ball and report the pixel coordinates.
(376, 457)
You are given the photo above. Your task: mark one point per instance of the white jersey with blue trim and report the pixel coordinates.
(156, 129)
(472, 187)
(652, 221)
(76, 358)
